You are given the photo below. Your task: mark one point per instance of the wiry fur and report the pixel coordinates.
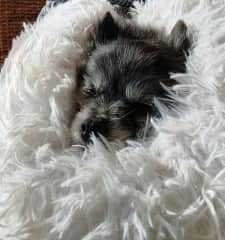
(171, 187)
(127, 68)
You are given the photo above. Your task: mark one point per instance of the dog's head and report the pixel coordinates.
(123, 74)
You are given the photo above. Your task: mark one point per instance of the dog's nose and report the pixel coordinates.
(97, 127)
(86, 129)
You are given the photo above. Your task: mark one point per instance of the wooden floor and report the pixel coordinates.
(12, 15)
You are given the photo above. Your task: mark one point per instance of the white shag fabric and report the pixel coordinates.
(172, 187)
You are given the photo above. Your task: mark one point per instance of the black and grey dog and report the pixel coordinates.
(126, 70)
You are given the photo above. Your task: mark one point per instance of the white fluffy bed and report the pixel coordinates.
(172, 187)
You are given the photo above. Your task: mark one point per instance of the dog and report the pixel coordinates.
(127, 68)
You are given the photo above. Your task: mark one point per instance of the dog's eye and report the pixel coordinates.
(142, 107)
(90, 92)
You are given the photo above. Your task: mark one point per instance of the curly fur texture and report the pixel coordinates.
(171, 187)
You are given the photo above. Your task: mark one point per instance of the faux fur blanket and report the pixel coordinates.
(169, 187)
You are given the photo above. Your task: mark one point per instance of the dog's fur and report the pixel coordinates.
(125, 71)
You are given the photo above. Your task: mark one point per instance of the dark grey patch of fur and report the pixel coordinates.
(124, 73)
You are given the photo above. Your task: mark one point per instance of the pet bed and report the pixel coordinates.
(171, 186)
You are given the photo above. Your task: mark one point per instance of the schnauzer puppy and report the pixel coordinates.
(126, 69)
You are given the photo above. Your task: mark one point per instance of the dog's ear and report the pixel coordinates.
(179, 36)
(107, 30)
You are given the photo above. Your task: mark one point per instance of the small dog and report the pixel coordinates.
(126, 69)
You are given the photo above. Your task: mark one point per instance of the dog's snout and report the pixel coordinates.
(86, 129)
(90, 126)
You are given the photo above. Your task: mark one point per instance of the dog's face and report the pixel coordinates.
(123, 74)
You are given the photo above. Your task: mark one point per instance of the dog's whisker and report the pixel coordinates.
(123, 116)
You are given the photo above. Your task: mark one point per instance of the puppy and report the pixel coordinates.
(126, 69)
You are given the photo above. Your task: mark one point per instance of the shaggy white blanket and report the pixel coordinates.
(172, 187)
